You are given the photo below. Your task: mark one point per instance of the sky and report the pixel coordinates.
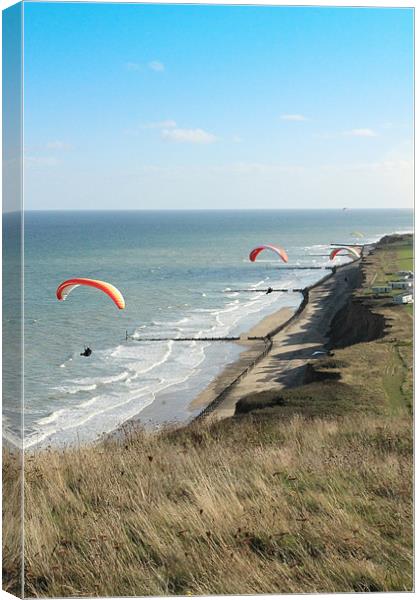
(180, 107)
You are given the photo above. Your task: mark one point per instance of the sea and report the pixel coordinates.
(178, 272)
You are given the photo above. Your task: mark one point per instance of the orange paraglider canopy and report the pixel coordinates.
(67, 286)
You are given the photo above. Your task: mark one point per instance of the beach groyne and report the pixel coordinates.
(268, 342)
(224, 393)
(188, 339)
(266, 290)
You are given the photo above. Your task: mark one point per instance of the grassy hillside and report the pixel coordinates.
(305, 490)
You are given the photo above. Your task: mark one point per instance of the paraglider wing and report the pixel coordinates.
(65, 288)
(357, 234)
(344, 250)
(279, 251)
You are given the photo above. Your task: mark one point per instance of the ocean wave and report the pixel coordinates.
(102, 380)
(75, 389)
(121, 405)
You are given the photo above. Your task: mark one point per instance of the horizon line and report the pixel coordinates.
(344, 209)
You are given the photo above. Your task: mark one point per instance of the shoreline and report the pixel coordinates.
(286, 368)
(216, 398)
(255, 350)
(252, 350)
(257, 342)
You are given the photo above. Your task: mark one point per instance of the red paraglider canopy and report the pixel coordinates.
(346, 250)
(279, 251)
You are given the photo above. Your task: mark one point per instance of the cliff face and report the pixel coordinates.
(355, 323)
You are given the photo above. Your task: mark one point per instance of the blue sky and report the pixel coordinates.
(142, 106)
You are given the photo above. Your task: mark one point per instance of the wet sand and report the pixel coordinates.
(291, 348)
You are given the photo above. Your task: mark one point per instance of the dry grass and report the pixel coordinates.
(304, 506)
(313, 494)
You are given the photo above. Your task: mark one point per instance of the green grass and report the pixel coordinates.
(394, 375)
(405, 258)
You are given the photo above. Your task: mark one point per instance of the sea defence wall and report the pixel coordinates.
(268, 342)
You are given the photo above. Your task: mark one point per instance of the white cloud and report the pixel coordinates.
(366, 132)
(156, 65)
(170, 132)
(132, 66)
(293, 118)
(191, 136)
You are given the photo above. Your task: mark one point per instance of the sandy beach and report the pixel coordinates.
(290, 349)
(252, 350)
